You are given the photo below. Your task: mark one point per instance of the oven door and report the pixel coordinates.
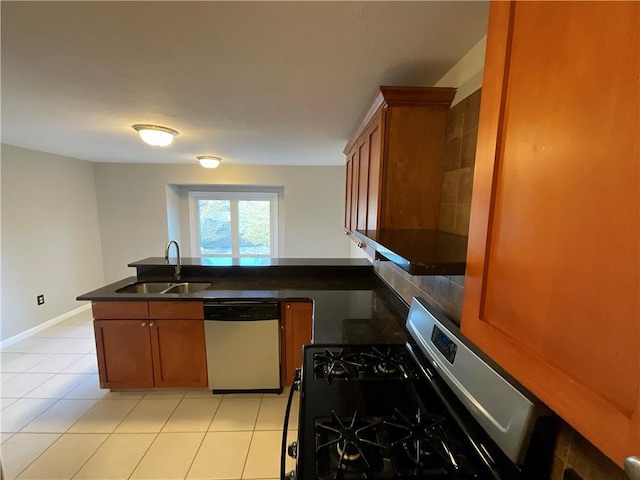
(291, 449)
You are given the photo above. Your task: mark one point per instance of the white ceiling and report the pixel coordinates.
(281, 83)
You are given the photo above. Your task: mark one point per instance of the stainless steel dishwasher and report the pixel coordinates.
(243, 346)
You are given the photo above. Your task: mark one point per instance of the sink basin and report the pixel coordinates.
(146, 287)
(164, 287)
(187, 287)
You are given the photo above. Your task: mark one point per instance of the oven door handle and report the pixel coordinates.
(295, 385)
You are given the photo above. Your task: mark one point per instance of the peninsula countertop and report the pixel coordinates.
(349, 309)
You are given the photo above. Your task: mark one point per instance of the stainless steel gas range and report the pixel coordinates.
(434, 408)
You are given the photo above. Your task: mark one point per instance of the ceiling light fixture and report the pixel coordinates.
(209, 161)
(156, 135)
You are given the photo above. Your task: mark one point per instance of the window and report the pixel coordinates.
(234, 224)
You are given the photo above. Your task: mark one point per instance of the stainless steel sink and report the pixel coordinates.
(164, 287)
(187, 287)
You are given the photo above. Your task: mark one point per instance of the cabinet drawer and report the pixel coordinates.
(177, 310)
(120, 310)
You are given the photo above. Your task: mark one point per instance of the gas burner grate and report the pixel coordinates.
(348, 448)
(332, 364)
(385, 363)
(420, 445)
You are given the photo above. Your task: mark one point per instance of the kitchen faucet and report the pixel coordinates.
(166, 256)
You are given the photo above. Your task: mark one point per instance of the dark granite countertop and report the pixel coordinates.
(347, 309)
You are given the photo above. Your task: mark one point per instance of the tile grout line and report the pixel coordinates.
(246, 458)
(90, 456)
(67, 433)
(253, 432)
(206, 432)
(143, 455)
(157, 433)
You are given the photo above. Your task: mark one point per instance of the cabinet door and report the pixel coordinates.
(124, 353)
(355, 173)
(554, 246)
(363, 182)
(179, 353)
(374, 136)
(347, 199)
(298, 328)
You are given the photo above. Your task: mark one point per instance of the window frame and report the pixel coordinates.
(233, 197)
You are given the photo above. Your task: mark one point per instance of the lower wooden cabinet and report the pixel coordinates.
(297, 331)
(179, 353)
(124, 353)
(149, 352)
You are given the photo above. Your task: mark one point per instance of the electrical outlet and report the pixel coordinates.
(40, 299)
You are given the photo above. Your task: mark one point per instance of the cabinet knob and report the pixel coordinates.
(143, 324)
(361, 245)
(346, 233)
(288, 306)
(632, 467)
(151, 324)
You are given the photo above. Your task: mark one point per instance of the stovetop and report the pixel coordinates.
(433, 408)
(369, 413)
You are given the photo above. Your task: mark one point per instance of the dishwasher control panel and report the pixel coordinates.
(241, 311)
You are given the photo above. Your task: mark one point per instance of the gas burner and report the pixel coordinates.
(420, 444)
(348, 448)
(347, 451)
(385, 363)
(331, 364)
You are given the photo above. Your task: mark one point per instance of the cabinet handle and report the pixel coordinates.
(151, 324)
(632, 467)
(288, 306)
(143, 324)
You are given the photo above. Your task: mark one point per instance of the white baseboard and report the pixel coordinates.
(42, 326)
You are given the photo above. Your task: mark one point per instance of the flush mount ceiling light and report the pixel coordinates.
(156, 135)
(209, 161)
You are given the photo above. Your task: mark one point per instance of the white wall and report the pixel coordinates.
(132, 204)
(466, 75)
(50, 236)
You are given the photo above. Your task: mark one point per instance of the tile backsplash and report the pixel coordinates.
(575, 454)
(575, 457)
(457, 166)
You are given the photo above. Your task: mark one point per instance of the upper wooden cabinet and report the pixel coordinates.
(394, 160)
(553, 267)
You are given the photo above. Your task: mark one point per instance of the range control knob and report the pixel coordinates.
(290, 476)
(292, 449)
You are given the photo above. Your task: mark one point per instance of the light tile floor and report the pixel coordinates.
(57, 423)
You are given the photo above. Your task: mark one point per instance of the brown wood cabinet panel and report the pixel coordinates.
(363, 183)
(553, 262)
(298, 331)
(374, 135)
(355, 175)
(124, 353)
(347, 197)
(177, 310)
(395, 160)
(413, 170)
(115, 310)
(179, 353)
